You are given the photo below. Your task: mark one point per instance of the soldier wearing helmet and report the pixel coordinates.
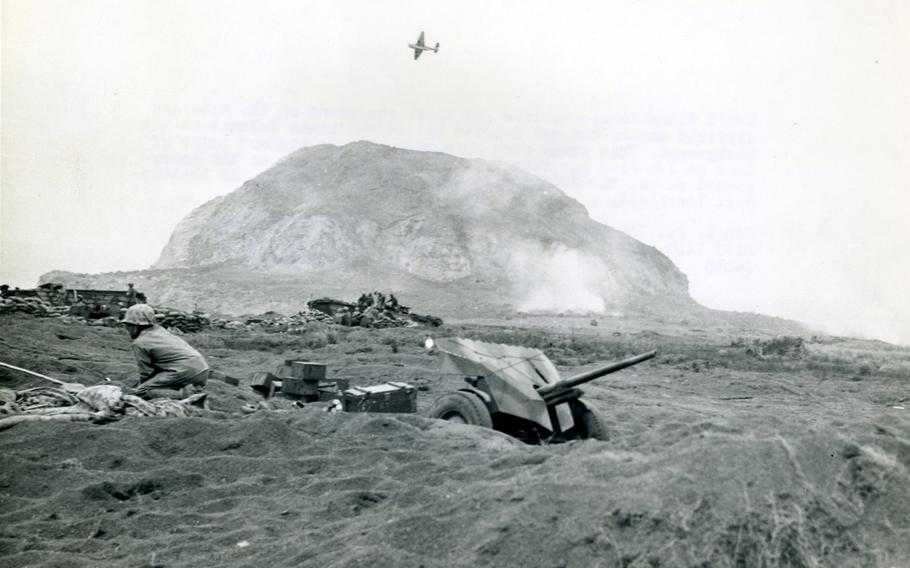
(165, 361)
(132, 296)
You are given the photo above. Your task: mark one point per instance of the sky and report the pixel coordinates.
(763, 146)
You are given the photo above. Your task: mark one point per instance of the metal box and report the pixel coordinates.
(387, 397)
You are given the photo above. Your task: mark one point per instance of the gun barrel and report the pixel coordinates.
(594, 374)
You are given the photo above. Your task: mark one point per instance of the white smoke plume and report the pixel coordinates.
(557, 279)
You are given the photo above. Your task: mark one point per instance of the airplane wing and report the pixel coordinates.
(417, 53)
(420, 40)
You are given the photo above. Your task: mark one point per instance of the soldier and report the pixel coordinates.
(165, 361)
(132, 297)
(342, 317)
(368, 317)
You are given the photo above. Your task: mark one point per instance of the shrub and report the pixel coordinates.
(358, 336)
(785, 346)
(315, 339)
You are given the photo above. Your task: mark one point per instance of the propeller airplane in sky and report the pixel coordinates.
(420, 47)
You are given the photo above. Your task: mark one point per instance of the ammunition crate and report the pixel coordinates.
(302, 370)
(387, 397)
(299, 387)
(262, 381)
(335, 385)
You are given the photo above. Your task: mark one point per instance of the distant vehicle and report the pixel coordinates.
(420, 47)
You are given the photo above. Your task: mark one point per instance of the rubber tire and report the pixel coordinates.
(590, 425)
(469, 407)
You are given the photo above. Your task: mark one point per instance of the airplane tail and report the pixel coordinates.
(437, 47)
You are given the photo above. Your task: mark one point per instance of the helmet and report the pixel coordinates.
(140, 314)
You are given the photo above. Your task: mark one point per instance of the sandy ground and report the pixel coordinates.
(719, 456)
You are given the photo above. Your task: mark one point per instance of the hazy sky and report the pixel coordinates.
(764, 146)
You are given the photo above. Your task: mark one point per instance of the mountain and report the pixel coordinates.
(438, 230)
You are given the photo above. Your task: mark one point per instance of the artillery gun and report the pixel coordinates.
(518, 391)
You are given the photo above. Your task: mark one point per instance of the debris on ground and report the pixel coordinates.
(53, 299)
(106, 307)
(98, 404)
(275, 322)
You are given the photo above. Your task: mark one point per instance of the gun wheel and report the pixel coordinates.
(589, 424)
(463, 408)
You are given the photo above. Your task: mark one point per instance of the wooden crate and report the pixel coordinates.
(299, 387)
(262, 381)
(293, 368)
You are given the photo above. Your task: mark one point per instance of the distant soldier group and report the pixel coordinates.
(95, 308)
(377, 300)
(372, 308)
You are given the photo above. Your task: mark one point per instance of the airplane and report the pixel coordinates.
(419, 47)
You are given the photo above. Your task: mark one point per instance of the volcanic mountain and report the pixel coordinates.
(446, 232)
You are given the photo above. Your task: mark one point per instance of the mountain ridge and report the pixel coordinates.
(366, 216)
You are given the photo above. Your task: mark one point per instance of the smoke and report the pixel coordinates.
(867, 314)
(872, 323)
(556, 279)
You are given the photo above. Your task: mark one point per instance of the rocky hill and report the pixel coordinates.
(438, 230)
